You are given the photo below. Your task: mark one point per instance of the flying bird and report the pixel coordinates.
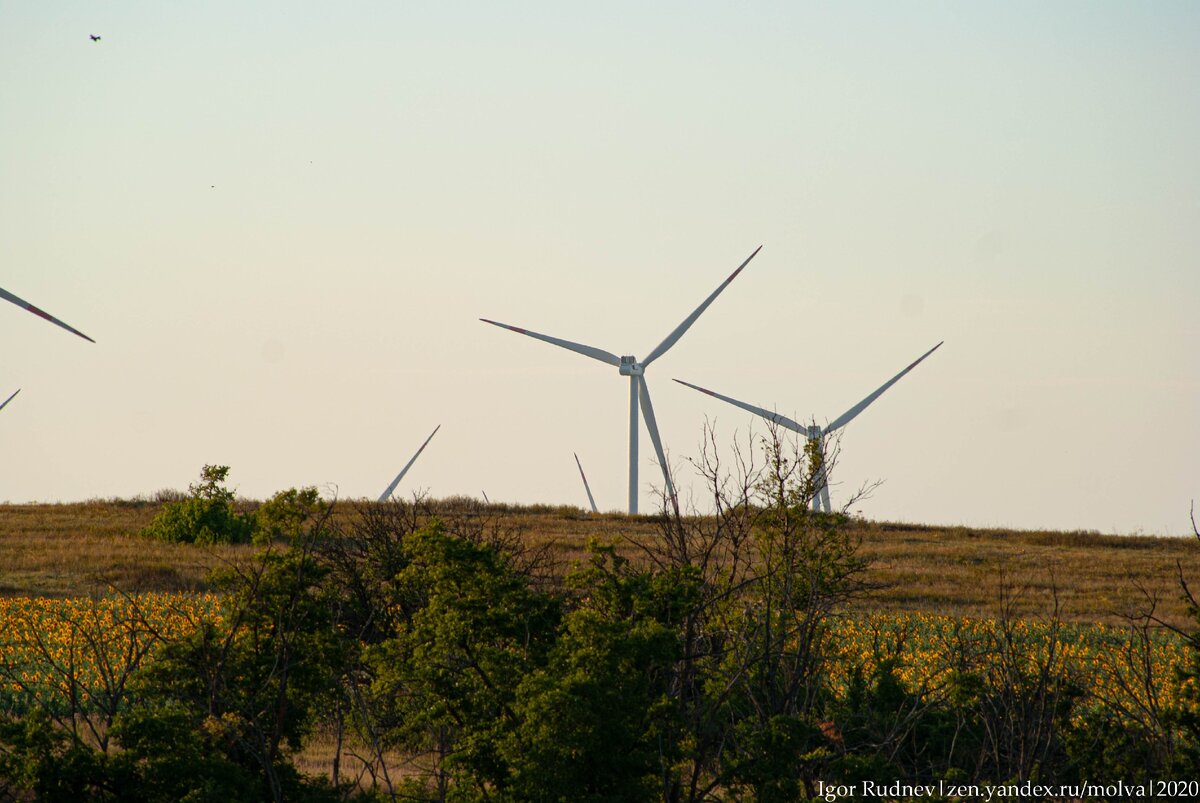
(94, 37)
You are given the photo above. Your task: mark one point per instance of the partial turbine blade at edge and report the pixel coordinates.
(670, 339)
(652, 428)
(586, 487)
(848, 416)
(588, 351)
(781, 420)
(42, 314)
(387, 494)
(10, 398)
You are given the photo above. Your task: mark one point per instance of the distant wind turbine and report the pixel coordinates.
(586, 487)
(638, 392)
(814, 433)
(388, 493)
(41, 314)
(10, 398)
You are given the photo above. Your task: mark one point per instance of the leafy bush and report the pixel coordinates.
(206, 516)
(287, 515)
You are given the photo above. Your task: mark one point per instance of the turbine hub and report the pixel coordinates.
(631, 367)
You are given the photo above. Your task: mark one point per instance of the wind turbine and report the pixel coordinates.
(388, 493)
(18, 390)
(638, 392)
(583, 476)
(7, 296)
(814, 433)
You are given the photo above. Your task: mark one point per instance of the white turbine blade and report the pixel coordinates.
(652, 428)
(781, 420)
(846, 417)
(41, 313)
(386, 494)
(586, 487)
(589, 351)
(670, 339)
(10, 398)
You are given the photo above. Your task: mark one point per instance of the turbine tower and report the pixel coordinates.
(7, 296)
(639, 394)
(814, 433)
(583, 476)
(383, 497)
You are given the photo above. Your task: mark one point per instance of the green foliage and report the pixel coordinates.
(48, 763)
(702, 668)
(589, 721)
(197, 766)
(237, 696)
(217, 714)
(206, 516)
(287, 515)
(452, 670)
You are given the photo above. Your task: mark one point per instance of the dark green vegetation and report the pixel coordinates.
(209, 514)
(455, 653)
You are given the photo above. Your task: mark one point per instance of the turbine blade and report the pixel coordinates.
(10, 398)
(652, 428)
(386, 494)
(589, 351)
(41, 313)
(586, 487)
(848, 416)
(781, 420)
(670, 339)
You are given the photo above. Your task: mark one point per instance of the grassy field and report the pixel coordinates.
(89, 548)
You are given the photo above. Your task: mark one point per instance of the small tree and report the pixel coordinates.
(235, 698)
(450, 672)
(590, 720)
(206, 516)
(286, 515)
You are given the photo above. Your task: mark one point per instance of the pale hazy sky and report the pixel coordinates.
(281, 221)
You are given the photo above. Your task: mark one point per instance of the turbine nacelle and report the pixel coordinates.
(631, 367)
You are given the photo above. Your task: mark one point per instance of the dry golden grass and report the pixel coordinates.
(89, 548)
(85, 548)
(959, 571)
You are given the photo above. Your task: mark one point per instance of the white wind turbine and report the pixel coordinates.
(583, 476)
(814, 433)
(7, 296)
(630, 366)
(383, 497)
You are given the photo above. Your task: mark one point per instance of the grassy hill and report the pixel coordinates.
(87, 548)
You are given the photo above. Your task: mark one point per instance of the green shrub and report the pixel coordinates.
(287, 515)
(206, 516)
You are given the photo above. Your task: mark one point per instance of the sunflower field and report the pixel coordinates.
(77, 654)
